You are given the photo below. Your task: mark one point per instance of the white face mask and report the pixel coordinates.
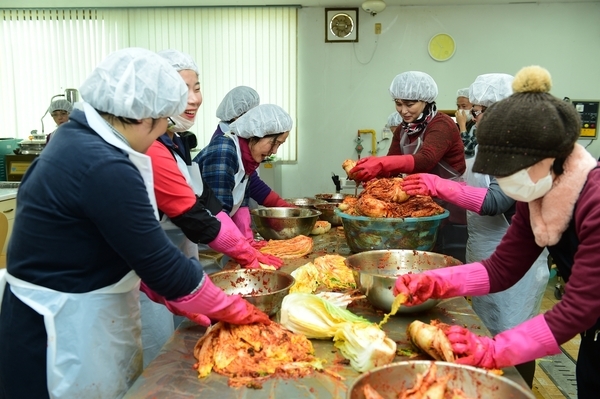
(520, 187)
(467, 113)
(179, 124)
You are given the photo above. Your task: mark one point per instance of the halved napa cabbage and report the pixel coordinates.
(359, 340)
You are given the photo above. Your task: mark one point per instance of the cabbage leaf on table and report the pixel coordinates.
(362, 342)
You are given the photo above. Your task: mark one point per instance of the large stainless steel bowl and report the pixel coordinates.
(265, 289)
(284, 223)
(392, 379)
(334, 197)
(375, 273)
(309, 203)
(328, 213)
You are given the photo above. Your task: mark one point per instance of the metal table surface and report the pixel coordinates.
(171, 374)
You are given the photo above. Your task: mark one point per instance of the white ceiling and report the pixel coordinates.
(304, 3)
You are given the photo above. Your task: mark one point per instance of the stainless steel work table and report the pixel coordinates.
(171, 374)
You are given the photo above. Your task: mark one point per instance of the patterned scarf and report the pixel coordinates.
(418, 127)
(469, 142)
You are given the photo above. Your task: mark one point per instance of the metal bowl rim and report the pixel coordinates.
(313, 213)
(251, 271)
(345, 216)
(392, 250)
(407, 363)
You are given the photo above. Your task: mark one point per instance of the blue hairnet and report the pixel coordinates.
(135, 83)
(179, 60)
(61, 104)
(463, 92)
(490, 88)
(236, 102)
(262, 120)
(414, 85)
(394, 119)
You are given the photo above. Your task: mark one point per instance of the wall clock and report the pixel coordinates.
(341, 24)
(441, 47)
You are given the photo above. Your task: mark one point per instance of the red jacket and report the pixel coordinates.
(441, 141)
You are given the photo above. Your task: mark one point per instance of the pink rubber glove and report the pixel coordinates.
(527, 341)
(467, 197)
(273, 200)
(210, 302)
(446, 282)
(243, 222)
(230, 242)
(371, 167)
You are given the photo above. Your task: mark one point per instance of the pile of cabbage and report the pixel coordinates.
(362, 342)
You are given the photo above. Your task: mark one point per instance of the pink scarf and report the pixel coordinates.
(250, 165)
(551, 214)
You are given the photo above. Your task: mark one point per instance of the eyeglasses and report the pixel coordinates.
(59, 113)
(275, 144)
(476, 113)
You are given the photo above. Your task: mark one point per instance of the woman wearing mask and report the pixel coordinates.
(426, 142)
(489, 212)
(465, 121)
(69, 318)
(228, 161)
(190, 212)
(528, 141)
(235, 104)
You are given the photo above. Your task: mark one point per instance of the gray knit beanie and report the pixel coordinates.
(526, 127)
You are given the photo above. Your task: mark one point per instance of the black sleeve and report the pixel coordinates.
(199, 224)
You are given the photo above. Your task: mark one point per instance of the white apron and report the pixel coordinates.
(502, 310)
(194, 180)
(94, 342)
(240, 183)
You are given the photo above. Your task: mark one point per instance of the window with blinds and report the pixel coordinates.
(44, 52)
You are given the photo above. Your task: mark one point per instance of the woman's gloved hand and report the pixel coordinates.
(230, 242)
(467, 197)
(210, 302)
(273, 200)
(447, 282)
(371, 167)
(528, 341)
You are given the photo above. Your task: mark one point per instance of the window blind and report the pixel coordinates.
(44, 52)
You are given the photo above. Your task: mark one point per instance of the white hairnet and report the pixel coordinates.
(61, 104)
(414, 85)
(179, 60)
(490, 88)
(135, 83)
(236, 102)
(262, 120)
(394, 119)
(463, 92)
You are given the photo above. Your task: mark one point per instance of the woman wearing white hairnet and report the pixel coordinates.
(236, 103)
(394, 120)
(427, 141)
(69, 318)
(228, 161)
(489, 212)
(59, 110)
(190, 212)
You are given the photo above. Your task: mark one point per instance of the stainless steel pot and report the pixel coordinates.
(395, 378)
